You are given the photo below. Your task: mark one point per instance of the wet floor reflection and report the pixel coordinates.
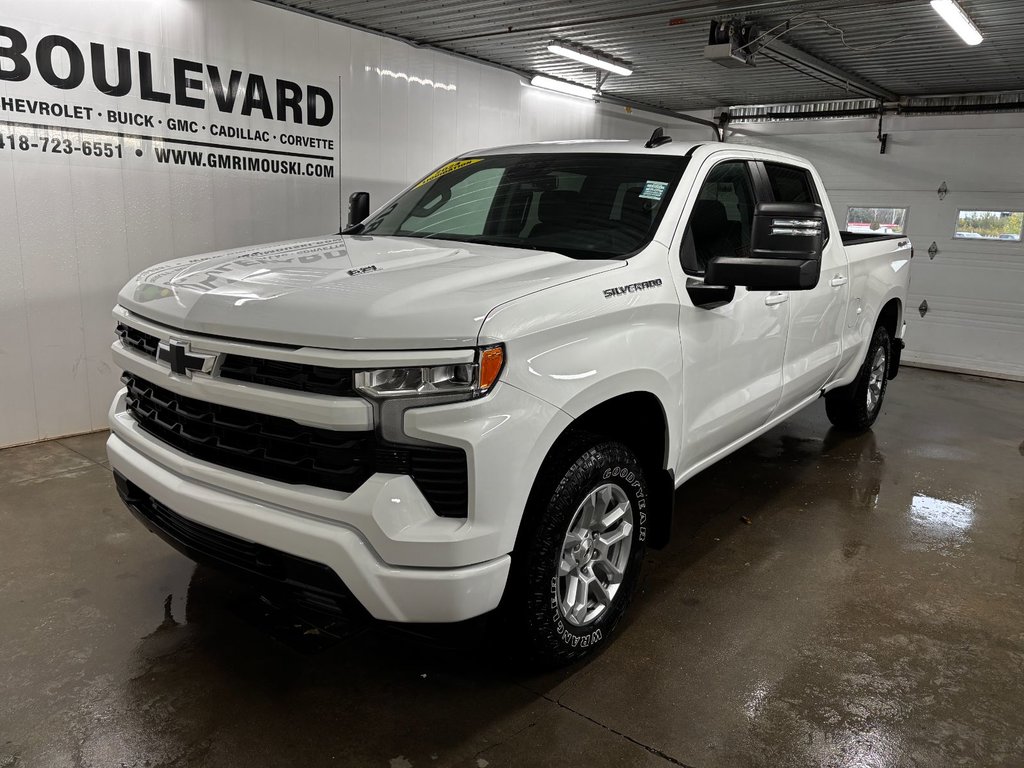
(941, 516)
(827, 599)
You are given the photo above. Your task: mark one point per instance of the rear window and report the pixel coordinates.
(599, 205)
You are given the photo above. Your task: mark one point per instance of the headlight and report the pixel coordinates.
(468, 379)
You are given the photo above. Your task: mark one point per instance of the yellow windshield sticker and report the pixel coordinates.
(446, 169)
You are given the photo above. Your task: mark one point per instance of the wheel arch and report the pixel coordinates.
(640, 421)
(890, 317)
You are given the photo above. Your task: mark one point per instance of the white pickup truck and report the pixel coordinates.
(482, 397)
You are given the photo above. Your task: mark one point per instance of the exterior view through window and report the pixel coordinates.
(876, 221)
(596, 206)
(989, 225)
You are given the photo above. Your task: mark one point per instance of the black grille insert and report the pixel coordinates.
(137, 340)
(301, 377)
(281, 449)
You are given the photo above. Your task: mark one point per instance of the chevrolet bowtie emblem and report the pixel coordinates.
(183, 361)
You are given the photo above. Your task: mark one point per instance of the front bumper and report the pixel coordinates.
(399, 559)
(386, 592)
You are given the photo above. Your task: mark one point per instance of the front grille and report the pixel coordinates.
(281, 449)
(301, 377)
(137, 340)
(307, 583)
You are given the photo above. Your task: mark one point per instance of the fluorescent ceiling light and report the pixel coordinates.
(961, 23)
(563, 87)
(586, 58)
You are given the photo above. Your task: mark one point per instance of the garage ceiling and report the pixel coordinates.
(665, 41)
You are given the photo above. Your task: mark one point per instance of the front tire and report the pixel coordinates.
(856, 406)
(579, 554)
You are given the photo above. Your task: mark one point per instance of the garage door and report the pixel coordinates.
(967, 295)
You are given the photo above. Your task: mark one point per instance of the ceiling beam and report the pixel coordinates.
(779, 51)
(670, 113)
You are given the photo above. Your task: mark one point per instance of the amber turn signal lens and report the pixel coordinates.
(491, 361)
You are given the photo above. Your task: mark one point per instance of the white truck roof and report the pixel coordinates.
(618, 146)
(628, 147)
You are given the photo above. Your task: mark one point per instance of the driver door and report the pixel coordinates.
(733, 352)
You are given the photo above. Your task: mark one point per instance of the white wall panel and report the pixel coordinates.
(419, 87)
(17, 396)
(469, 130)
(147, 222)
(75, 227)
(446, 109)
(54, 300)
(361, 145)
(97, 199)
(393, 125)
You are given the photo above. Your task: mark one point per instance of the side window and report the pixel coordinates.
(793, 185)
(461, 209)
(722, 217)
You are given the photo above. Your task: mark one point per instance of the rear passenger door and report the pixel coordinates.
(817, 316)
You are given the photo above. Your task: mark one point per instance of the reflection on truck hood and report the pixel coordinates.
(348, 292)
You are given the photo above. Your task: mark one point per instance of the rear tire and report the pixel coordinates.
(856, 406)
(579, 551)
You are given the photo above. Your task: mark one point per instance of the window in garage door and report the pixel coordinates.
(1005, 226)
(873, 220)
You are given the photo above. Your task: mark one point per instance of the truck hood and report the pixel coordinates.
(348, 292)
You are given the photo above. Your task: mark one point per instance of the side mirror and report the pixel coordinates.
(785, 250)
(358, 207)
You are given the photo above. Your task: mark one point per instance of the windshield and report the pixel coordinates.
(595, 206)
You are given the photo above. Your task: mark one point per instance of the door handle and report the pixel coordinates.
(838, 280)
(776, 298)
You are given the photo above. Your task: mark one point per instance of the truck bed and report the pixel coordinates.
(856, 238)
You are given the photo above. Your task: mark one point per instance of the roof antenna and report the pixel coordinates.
(657, 139)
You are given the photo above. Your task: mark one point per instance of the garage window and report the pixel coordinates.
(876, 220)
(1000, 226)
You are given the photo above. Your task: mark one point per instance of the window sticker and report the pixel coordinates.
(446, 169)
(654, 190)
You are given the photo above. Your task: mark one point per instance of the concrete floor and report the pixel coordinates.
(827, 600)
